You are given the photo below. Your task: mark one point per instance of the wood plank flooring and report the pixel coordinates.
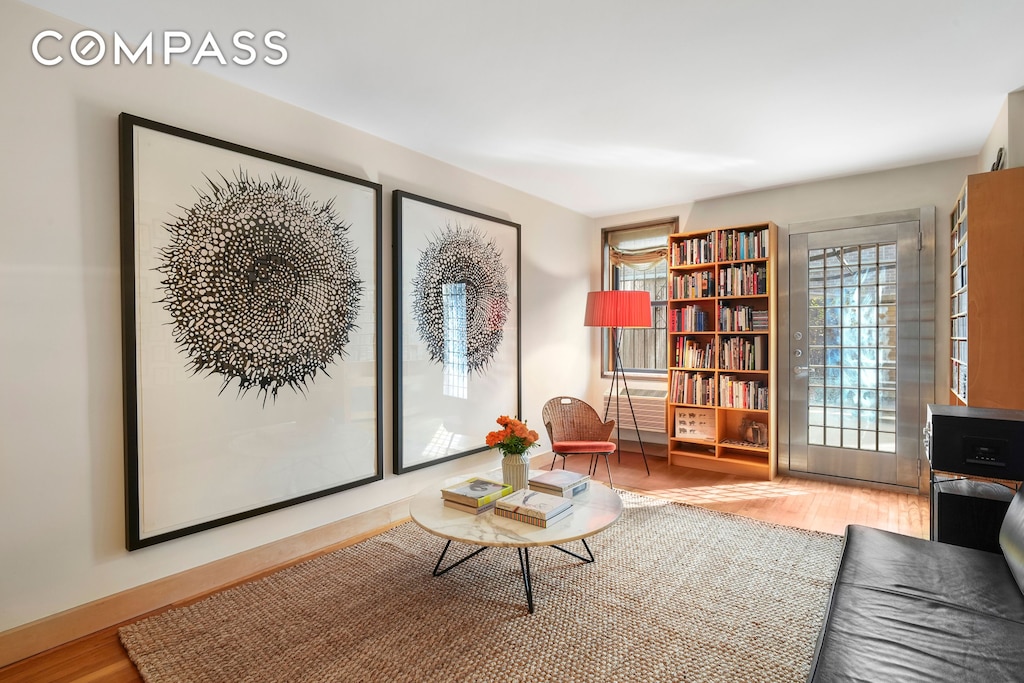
(803, 503)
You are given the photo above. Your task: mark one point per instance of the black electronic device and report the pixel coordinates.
(963, 442)
(979, 442)
(969, 513)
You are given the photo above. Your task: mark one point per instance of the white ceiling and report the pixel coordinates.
(608, 106)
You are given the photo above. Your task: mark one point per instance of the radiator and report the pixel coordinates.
(648, 406)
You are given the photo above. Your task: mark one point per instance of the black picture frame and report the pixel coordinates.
(251, 308)
(457, 358)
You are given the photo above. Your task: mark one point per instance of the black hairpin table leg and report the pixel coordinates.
(527, 583)
(590, 553)
(437, 568)
(524, 564)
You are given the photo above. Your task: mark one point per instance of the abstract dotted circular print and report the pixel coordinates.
(261, 282)
(464, 256)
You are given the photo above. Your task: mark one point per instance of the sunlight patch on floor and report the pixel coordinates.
(724, 493)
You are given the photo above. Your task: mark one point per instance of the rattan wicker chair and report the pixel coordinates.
(575, 428)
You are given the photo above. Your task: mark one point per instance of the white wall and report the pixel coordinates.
(935, 184)
(61, 471)
(998, 137)
(1015, 129)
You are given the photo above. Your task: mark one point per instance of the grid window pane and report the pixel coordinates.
(816, 436)
(854, 337)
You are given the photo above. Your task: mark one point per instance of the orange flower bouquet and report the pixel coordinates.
(514, 438)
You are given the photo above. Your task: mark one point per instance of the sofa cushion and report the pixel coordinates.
(561, 447)
(1011, 538)
(950, 574)
(879, 636)
(907, 609)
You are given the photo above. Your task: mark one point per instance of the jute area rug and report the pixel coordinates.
(677, 593)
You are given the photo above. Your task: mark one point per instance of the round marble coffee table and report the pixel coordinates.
(593, 510)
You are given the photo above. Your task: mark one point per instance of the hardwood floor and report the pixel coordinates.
(803, 503)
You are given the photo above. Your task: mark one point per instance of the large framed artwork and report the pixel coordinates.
(252, 324)
(456, 354)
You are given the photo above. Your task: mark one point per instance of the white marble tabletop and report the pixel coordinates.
(593, 510)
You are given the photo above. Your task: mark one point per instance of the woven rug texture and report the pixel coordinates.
(678, 593)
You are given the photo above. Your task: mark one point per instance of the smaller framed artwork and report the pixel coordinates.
(251, 327)
(456, 307)
(695, 423)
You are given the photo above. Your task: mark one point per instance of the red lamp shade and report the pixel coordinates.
(618, 308)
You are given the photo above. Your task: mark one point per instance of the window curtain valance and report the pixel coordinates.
(639, 248)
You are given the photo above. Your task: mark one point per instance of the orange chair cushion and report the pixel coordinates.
(583, 447)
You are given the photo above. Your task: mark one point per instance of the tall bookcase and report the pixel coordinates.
(722, 350)
(987, 292)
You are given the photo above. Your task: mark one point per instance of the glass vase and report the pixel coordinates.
(515, 470)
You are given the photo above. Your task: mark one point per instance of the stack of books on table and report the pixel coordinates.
(560, 483)
(474, 495)
(533, 507)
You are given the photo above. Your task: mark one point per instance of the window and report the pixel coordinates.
(636, 258)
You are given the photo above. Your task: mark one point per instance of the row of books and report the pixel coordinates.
(743, 280)
(699, 389)
(547, 500)
(689, 319)
(726, 245)
(696, 285)
(693, 318)
(694, 354)
(959, 327)
(693, 251)
(959, 209)
(744, 353)
(959, 277)
(739, 393)
(742, 319)
(958, 377)
(960, 255)
(694, 388)
(735, 245)
(958, 304)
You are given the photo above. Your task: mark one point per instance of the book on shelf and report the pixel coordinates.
(692, 318)
(476, 491)
(692, 353)
(740, 393)
(531, 503)
(694, 388)
(535, 521)
(562, 483)
(742, 280)
(471, 509)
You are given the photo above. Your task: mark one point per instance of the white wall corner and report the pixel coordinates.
(1015, 129)
(998, 137)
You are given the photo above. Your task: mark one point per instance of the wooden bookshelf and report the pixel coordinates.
(987, 292)
(722, 349)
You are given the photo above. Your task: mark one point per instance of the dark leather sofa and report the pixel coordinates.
(905, 609)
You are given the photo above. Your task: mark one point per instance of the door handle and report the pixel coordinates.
(800, 369)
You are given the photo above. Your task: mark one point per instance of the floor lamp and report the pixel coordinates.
(617, 309)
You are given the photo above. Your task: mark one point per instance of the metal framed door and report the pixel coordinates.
(856, 388)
